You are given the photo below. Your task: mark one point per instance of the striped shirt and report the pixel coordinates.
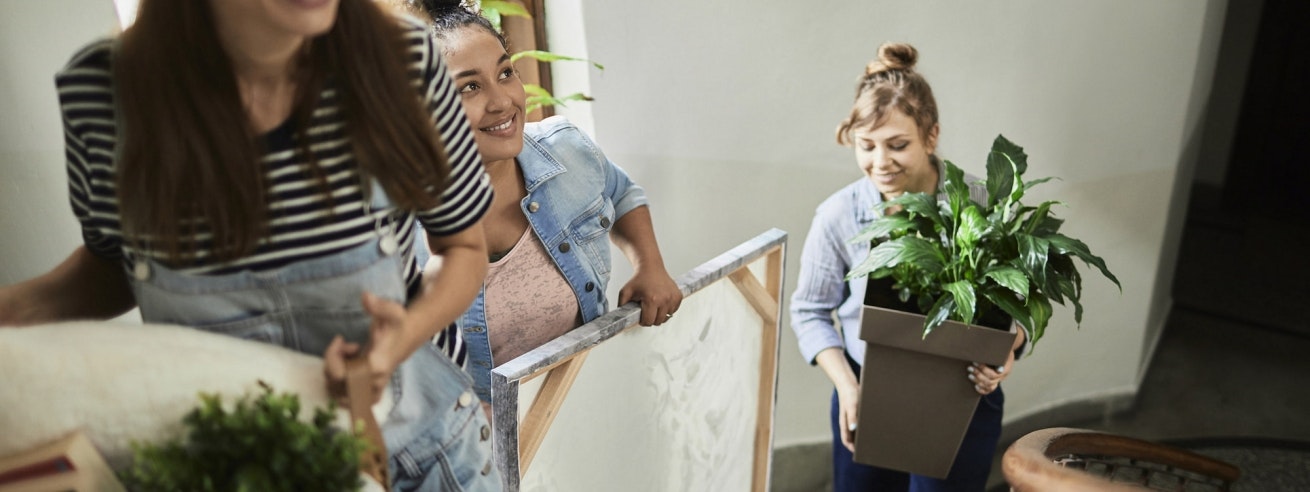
(299, 227)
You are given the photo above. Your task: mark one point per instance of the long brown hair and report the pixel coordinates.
(189, 158)
(891, 82)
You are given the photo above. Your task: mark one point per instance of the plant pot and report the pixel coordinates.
(915, 399)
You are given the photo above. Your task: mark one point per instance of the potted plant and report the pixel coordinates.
(255, 444)
(937, 267)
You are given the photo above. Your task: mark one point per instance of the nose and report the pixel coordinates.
(498, 99)
(880, 159)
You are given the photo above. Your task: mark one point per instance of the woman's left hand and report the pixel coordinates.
(387, 347)
(656, 291)
(986, 379)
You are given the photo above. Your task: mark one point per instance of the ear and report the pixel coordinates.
(931, 142)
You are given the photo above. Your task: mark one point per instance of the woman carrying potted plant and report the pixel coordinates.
(894, 128)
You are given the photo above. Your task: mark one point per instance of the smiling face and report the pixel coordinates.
(896, 156)
(490, 89)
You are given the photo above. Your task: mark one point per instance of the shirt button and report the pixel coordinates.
(486, 469)
(474, 329)
(465, 399)
(605, 222)
(486, 433)
(590, 286)
(533, 207)
(141, 270)
(564, 247)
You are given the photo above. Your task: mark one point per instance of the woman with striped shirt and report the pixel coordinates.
(255, 168)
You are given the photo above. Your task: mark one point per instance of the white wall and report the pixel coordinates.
(725, 112)
(36, 39)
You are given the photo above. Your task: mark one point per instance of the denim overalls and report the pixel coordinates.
(436, 433)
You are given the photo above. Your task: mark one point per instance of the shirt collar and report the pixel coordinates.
(537, 164)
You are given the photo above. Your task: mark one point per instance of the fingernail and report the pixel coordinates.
(971, 378)
(970, 369)
(851, 426)
(1001, 370)
(978, 388)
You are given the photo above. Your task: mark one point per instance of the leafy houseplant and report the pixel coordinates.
(259, 445)
(958, 259)
(538, 96)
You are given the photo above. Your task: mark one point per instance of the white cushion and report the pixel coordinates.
(122, 383)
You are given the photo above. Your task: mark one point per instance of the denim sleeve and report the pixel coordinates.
(625, 194)
(821, 286)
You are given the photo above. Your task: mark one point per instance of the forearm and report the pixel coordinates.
(634, 234)
(448, 291)
(83, 286)
(833, 362)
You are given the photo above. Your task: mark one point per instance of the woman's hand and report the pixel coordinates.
(656, 291)
(389, 345)
(848, 413)
(987, 379)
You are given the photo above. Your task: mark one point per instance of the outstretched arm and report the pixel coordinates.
(397, 331)
(651, 284)
(83, 286)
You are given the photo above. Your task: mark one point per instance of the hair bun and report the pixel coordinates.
(437, 8)
(893, 56)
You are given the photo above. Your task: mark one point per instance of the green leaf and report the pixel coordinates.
(909, 249)
(1032, 256)
(938, 313)
(957, 190)
(547, 56)
(1009, 277)
(493, 16)
(503, 8)
(972, 226)
(1038, 216)
(965, 298)
(1010, 303)
(883, 227)
(1040, 311)
(915, 204)
(1067, 245)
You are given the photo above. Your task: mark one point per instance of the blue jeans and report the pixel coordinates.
(436, 432)
(969, 472)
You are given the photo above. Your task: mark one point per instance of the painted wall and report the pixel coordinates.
(728, 123)
(36, 39)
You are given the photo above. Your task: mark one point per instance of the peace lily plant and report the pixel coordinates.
(960, 259)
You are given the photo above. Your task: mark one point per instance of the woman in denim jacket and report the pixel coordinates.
(558, 203)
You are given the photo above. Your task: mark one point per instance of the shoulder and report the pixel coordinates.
(559, 137)
(847, 200)
(553, 128)
(91, 60)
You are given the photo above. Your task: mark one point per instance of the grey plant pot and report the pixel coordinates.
(915, 398)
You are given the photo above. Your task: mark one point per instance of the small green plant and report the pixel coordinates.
(960, 259)
(260, 445)
(494, 11)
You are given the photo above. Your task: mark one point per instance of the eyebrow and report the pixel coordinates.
(473, 71)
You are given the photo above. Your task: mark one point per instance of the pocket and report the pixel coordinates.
(266, 328)
(453, 457)
(590, 230)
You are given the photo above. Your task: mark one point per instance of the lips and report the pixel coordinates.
(503, 129)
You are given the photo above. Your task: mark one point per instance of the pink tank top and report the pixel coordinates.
(528, 302)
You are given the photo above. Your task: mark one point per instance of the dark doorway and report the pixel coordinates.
(1244, 248)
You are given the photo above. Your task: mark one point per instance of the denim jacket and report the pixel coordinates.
(574, 196)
